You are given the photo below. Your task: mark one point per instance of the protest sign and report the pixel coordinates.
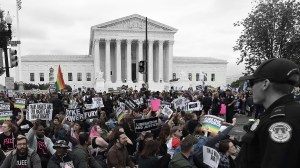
(193, 106)
(20, 103)
(97, 102)
(4, 106)
(88, 106)
(41, 111)
(74, 114)
(155, 104)
(211, 157)
(141, 125)
(167, 111)
(137, 101)
(6, 115)
(91, 113)
(213, 123)
(223, 109)
(120, 113)
(179, 103)
(130, 104)
(165, 104)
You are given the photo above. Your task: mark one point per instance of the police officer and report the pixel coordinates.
(274, 139)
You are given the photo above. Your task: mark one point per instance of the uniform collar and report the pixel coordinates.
(281, 101)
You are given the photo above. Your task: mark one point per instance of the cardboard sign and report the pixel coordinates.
(4, 106)
(141, 125)
(91, 113)
(130, 104)
(41, 111)
(155, 104)
(6, 115)
(74, 115)
(167, 111)
(97, 102)
(179, 103)
(213, 123)
(20, 103)
(193, 106)
(211, 157)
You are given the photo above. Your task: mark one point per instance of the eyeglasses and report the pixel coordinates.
(252, 82)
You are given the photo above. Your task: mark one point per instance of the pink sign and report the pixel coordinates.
(223, 109)
(155, 104)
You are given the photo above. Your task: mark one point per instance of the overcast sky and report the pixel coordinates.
(205, 27)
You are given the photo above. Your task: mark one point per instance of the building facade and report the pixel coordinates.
(115, 50)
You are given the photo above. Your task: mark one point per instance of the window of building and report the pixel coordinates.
(88, 77)
(32, 77)
(197, 77)
(204, 76)
(79, 76)
(190, 76)
(70, 77)
(213, 77)
(174, 76)
(42, 77)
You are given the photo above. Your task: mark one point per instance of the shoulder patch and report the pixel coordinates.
(280, 132)
(278, 112)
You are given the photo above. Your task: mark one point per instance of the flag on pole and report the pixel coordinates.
(19, 2)
(60, 84)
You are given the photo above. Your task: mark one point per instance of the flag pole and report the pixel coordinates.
(18, 68)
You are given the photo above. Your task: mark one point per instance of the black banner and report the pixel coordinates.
(91, 113)
(74, 115)
(141, 125)
(130, 104)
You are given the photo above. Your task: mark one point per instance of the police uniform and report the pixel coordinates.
(274, 139)
(229, 109)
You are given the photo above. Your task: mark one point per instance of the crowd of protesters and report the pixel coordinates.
(106, 142)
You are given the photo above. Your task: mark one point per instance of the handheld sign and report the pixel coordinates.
(213, 123)
(74, 115)
(88, 106)
(97, 102)
(193, 106)
(120, 113)
(4, 106)
(20, 103)
(41, 111)
(141, 125)
(179, 103)
(155, 104)
(167, 111)
(6, 115)
(91, 113)
(211, 157)
(130, 104)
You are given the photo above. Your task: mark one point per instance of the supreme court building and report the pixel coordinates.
(115, 49)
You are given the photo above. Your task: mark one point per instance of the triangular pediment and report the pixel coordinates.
(135, 22)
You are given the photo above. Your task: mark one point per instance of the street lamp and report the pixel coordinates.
(5, 36)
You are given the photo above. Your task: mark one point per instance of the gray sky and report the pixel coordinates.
(205, 27)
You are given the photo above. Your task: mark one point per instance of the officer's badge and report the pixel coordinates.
(280, 132)
(254, 125)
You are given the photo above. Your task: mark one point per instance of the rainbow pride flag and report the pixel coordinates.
(59, 84)
(19, 103)
(213, 123)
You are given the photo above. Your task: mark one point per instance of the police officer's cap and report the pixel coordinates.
(278, 70)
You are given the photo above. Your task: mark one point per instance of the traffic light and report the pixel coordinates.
(13, 58)
(142, 66)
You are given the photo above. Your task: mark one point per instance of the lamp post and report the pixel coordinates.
(5, 36)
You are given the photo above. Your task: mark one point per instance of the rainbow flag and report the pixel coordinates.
(213, 123)
(19, 103)
(59, 84)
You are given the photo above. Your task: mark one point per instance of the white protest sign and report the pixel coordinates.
(179, 102)
(211, 157)
(41, 111)
(167, 111)
(193, 106)
(97, 102)
(88, 106)
(4, 106)
(6, 115)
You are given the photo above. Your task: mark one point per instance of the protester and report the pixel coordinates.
(273, 139)
(7, 137)
(148, 157)
(174, 141)
(2, 156)
(226, 150)
(62, 157)
(22, 156)
(98, 143)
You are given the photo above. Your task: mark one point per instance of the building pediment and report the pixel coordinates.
(134, 22)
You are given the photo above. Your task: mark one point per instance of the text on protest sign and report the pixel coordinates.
(165, 104)
(167, 111)
(91, 113)
(130, 104)
(4, 106)
(97, 102)
(74, 115)
(88, 106)
(41, 111)
(213, 123)
(20, 103)
(211, 157)
(194, 106)
(179, 103)
(6, 115)
(141, 125)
